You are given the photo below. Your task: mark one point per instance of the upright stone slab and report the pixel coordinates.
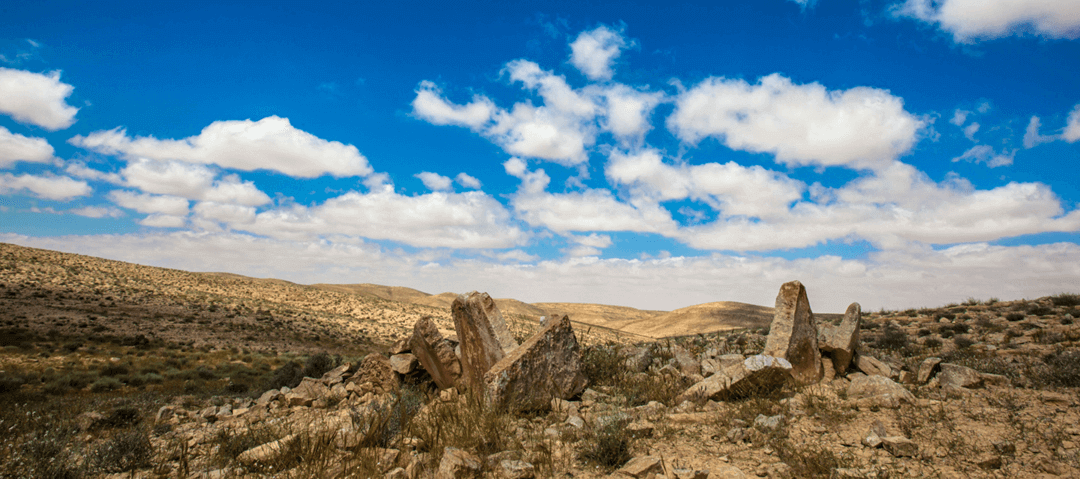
(546, 366)
(483, 336)
(793, 334)
(841, 340)
(435, 354)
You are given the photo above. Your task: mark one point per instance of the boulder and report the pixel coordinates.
(404, 363)
(957, 376)
(458, 464)
(871, 366)
(375, 369)
(686, 362)
(311, 388)
(435, 355)
(879, 391)
(546, 366)
(268, 397)
(759, 374)
(900, 446)
(639, 358)
(926, 369)
(793, 334)
(336, 375)
(483, 336)
(841, 340)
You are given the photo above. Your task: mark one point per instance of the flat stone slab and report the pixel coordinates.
(546, 366)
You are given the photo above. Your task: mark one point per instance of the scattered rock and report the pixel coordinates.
(793, 334)
(376, 369)
(957, 376)
(311, 388)
(900, 446)
(759, 374)
(403, 363)
(458, 464)
(547, 365)
(515, 469)
(268, 397)
(266, 452)
(641, 467)
(435, 355)
(879, 391)
(728, 472)
(871, 366)
(483, 334)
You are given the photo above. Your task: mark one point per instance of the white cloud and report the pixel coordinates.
(731, 188)
(195, 182)
(164, 221)
(1072, 126)
(48, 187)
(36, 98)
(801, 124)
(430, 105)
(80, 170)
(971, 130)
(1032, 138)
(908, 278)
(467, 181)
(435, 181)
(595, 50)
(97, 212)
(594, 240)
(969, 20)
(626, 111)
(271, 143)
(959, 117)
(233, 215)
(145, 203)
(15, 147)
(439, 219)
(986, 154)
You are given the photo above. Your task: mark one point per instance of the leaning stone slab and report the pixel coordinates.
(926, 369)
(483, 336)
(435, 355)
(841, 340)
(311, 388)
(793, 334)
(546, 366)
(759, 374)
(872, 366)
(900, 446)
(266, 452)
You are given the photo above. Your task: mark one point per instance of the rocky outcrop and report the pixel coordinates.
(793, 334)
(841, 341)
(546, 366)
(435, 355)
(376, 370)
(759, 374)
(483, 336)
(458, 464)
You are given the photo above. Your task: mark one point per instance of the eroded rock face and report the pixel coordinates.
(793, 334)
(841, 341)
(483, 336)
(546, 366)
(759, 374)
(435, 355)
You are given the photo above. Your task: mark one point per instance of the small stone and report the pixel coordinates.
(404, 363)
(927, 369)
(957, 376)
(458, 464)
(576, 421)
(871, 366)
(900, 446)
(640, 429)
(514, 469)
(266, 452)
(640, 467)
(879, 391)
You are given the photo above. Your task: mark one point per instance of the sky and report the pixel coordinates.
(899, 153)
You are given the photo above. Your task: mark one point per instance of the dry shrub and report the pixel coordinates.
(125, 451)
(607, 445)
(467, 423)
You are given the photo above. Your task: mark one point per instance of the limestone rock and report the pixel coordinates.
(900, 446)
(336, 375)
(401, 346)
(458, 464)
(871, 366)
(684, 473)
(639, 358)
(728, 472)
(546, 366)
(514, 469)
(957, 376)
(686, 362)
(880, 391)
(641, 467)
(434, 354)
(841, 340)
(926, 369)
(404, 363)
(265, 452)
(311, 388)
(793, 334)
(483, 336)
(754, 375)
(376, 369)
(268, 397)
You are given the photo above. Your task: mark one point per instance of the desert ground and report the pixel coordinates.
(111, 369)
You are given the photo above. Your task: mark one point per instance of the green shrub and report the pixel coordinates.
(603, 364)
(319, 364)
(287, 375)
(963, 342)
(1066, 299)
(106, 384)
(892, 337)
(1014, 316)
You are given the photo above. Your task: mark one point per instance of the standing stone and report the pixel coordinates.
(546, 366)
(435, 354)
(841, 340)
(926, 369)
(483, 334)
(793, 334)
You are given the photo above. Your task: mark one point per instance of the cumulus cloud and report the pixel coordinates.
(48, 187)
(731, 188)
(271, 143)
(1072, 126)
(862, 127)
(626, 111)
(229, 214)
(15, 147)
(969, 20)
(467, 181)
(1032, 138)
(195, 182)
(97, 212)
(435, 181)
(36, 98)
(430, 105)
(145, 203)
(163, 221)
(594, 51)
(986, 154)
(438, 219)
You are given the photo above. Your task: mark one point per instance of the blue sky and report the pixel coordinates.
(651, 154)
